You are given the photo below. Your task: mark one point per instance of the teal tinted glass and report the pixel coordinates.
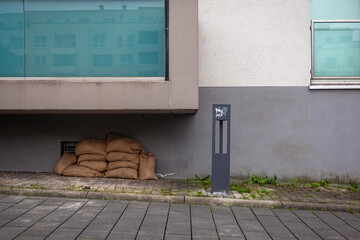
(335, 9)
(337, 49)
(11, 38)
(95, 38)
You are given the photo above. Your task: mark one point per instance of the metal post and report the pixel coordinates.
(220, 174)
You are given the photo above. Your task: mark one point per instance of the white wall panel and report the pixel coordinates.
(254, 43)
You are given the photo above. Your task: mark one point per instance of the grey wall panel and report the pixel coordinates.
(288, 131)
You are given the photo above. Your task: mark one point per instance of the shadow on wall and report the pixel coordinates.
(32, 142)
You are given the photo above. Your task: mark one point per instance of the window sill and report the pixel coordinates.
(333, 87)
(86, 79)
(326, 84)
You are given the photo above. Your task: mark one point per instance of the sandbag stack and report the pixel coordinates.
(123, 157)
(91, 154)
(117, 157)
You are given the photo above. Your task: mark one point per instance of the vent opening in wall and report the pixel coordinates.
(68, 146)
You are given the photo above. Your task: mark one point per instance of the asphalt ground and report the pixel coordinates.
(30, 218)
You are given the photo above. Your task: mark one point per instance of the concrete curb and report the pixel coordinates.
(233, 202)
(179, 199)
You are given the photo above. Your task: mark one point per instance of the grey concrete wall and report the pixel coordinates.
(288, 131)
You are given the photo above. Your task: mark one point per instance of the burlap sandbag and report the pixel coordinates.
(128, 173)
(99, 166)
(66, 160)
(90, 146)
(81, 171)
(120, 144)
(147, 166)
(120, 156)
(122, 164)
(91, 157)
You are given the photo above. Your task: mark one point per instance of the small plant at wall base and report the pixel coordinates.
(205, 181)
(266, 180)
(354, 186)
(239, 188)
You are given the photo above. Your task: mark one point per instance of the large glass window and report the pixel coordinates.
(12, 38)
(335, 39)
(82, 38)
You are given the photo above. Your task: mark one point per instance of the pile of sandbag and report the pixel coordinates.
(123, 155)
(118, 157)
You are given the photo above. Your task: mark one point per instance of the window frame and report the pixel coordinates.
(102, 78)
(329, 80)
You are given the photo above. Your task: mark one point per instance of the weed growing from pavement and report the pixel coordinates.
(36, 186)
(205, 181)
(293, 183)
(266, 180)
(309, 195)
(354, 186)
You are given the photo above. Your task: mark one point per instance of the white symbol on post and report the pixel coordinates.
(220, 111)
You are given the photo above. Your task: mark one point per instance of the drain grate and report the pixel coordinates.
(68, 146)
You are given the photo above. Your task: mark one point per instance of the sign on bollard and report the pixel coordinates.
(220, 174)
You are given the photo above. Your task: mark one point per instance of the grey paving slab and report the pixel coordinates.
(257, 235)
(158, 209)
(354, 224)
(10, 232)
(61, 234)
(345, 216)
(179, 207)
(12, 213)
(59, 218)
(280, 233)
(28, 203)
(149, 236)
(177, 237)
(286, 215)
(243, 213)
(25, 220)
(178, 228)
(23, 237)
(94, 234)
(121, 236)
(41, 228)
(338, 225)
(204, 232)
(81, 218)
(4, 206)
(262, 212)
(329, 234)
(225, 222)
(12, 199)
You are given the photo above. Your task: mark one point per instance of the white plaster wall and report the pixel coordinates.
(254, 43)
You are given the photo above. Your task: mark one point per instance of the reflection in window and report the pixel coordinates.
(148, 73)
(119, 42)
(98, 41)
(130, 41)
(102, 60)
(148, 37)
(40, 61)
(148, 57)
(40, 41)
(65, 41)
(64, 60)
(126, 59)
(16, 43)
(60, 39)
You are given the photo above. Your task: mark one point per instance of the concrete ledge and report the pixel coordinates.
(135, 197)
(233, 202)
(179, 199)
(319, 206)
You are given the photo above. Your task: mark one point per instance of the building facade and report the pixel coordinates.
(289, 68)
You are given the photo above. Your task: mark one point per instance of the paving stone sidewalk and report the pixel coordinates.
(300, 196)
(53, 218)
